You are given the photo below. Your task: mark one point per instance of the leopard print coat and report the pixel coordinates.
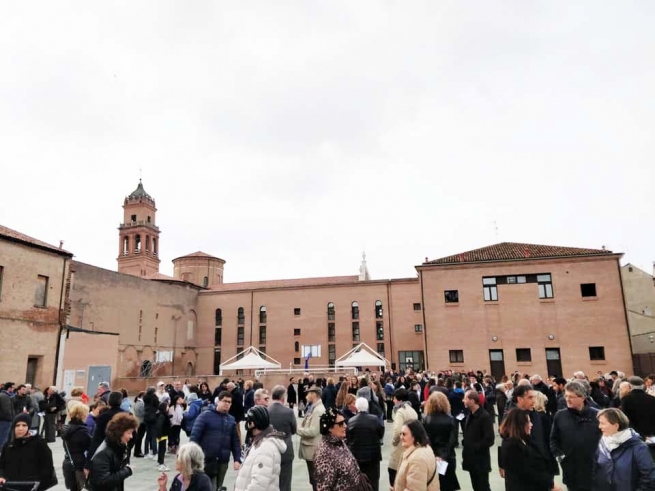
(335, 467)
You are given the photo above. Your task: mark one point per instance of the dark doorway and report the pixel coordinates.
(553, 362)
(497, 362)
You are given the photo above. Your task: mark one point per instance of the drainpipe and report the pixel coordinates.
(425, 327)
(389, 317)
(61, 324)
(252, 307)
(625, 314)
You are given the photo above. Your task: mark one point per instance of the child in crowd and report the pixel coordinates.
(162, 428)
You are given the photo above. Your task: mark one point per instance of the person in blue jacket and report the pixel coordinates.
(191, 414)
(623, 462)
(216, 433)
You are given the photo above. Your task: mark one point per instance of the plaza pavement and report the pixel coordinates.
(145, 473)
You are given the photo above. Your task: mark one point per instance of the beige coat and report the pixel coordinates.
(416, 469)
(310, 431)
(404, 414)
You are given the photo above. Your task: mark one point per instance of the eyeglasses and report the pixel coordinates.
(341, 423)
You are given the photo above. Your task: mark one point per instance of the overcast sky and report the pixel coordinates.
(286, 137)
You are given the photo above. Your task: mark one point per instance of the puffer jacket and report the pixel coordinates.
(417, 467)
(191, 414)
(108, 467)
(628, 467)
(260, 470)
(216, 433)
(76, 439)
(403, 414)
(310, 431)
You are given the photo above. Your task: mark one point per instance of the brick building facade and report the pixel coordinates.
(501, 308)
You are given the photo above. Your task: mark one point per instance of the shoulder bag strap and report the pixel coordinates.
(433, 474)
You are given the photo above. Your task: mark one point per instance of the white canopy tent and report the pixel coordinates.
(360, 357)
(251, 359)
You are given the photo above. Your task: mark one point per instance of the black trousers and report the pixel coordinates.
(372, 470)
(138, 439)
(480, 481)
(392, 476)
(389, 410)
(286, 471)
(310, 471)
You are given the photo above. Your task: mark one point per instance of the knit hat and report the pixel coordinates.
(22, 418)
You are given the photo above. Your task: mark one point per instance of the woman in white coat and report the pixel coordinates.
(260, 470)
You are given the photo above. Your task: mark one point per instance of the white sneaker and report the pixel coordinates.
(147, 456)
(162, 468)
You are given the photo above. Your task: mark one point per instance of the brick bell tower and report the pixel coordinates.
(138, 236)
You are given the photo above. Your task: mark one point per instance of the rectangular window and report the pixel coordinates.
(597, 353)
(510, 280)
(355, 331)
(451, 296)
(217, 361)
(417, 307)
(41, 292)
(490, 289)
(296, 311)
(296, 346)
(379, 330)
(156, 332)
(418, 328)
(545, 286)
(332, 354)
(381, 349)
(262, 335)
(456, 356)
(218, 337)
(240, 336)
(520, 279)
(296, 361)
(331, 333)
(296, 332)
(588, 289)
(262, 349)
(523, 354)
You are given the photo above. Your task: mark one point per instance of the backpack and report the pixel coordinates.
(138, 409)
(373, 407)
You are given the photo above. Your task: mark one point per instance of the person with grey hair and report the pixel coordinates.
(104, 390)
(574, 438)
(283, 420)
(262, 397)
(189, 464)
(363, 435)
(639, 407)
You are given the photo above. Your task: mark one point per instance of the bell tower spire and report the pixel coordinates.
(138, 236)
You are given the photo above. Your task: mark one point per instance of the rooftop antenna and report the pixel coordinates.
(140, 174)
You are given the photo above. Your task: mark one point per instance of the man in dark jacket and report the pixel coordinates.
(22, 401)
(538, 384)
(329, 395)
(283, 420)
(574, 438)
(478, 439)
(103, 392)
(6, 411)
(236, 409)
(176, 391)
(639, 407)
(292, 397)
(364, 434)
(216, 433)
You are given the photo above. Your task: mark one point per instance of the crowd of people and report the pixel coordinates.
(599, 432)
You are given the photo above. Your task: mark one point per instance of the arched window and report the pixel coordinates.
(355, 310)
(147, 243)
(154, 247)
(262, 315)
(146, 368)
(330, 311)
(241, 317)
(137, 243)
(378, 309)
(205, 282)
(219, 317)
(126, 245)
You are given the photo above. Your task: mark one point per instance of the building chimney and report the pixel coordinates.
(526, 252)
(426, 259)
(61, 244)
(604, 248)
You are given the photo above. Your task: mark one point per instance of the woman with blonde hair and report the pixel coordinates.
(441, 429)
(349, 409)
(189, 464)
(76, 439)
(344, 390)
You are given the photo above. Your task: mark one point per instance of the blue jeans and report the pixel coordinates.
(5, 428)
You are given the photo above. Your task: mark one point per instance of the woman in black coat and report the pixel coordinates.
(189, 463)
(26, 457)
(76, 440)
(442, 430)
(109, 467)
(524, 466)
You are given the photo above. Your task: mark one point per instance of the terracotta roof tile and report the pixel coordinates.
(260, 285)
(508, 251)
(26, 239)
(198, 254)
